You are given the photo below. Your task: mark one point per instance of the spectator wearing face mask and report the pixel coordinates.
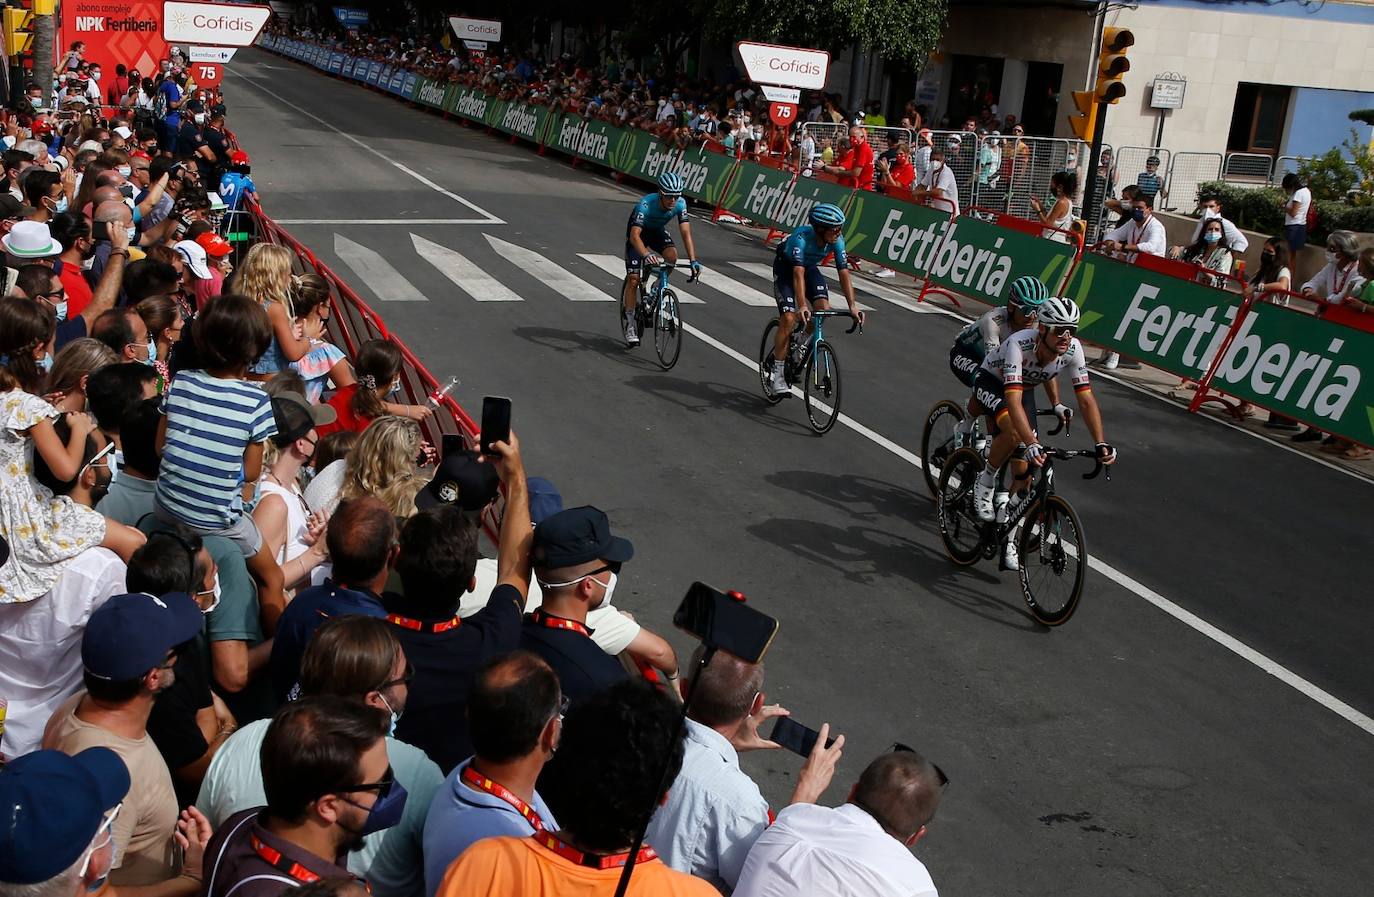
(378, 372)
(192, 147)
(128, 652)
(60, 812)
(123, 330)
(356, 659)
(939, 188)
(1142, 234)
(328, 783)
(1211, 252)
(1210, 205)
(40, 639)
(855, 167)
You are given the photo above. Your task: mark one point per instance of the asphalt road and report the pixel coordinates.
(1127, 753)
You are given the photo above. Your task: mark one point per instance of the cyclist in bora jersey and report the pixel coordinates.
(974, 342)
(799, 286)
(1026, 359)
(646, 235)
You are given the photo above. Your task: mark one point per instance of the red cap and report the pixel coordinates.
(214, 245)
(238, 157)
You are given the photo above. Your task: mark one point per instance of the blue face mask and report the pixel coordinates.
(61, 205)
(1138, 214)
(152, 352)
(45, 363)
(386, 812)
(1211, 236)
(61, 311)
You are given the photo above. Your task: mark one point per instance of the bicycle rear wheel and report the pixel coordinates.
(668, 329)
(1054, 560)
(766, 361)
(821, 388)
(937, 441)
(960, 528)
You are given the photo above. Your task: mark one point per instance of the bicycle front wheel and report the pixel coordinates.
(770, 335)
(960, 528)
(668, 330)
(1054, 560)
(821, 387)
(937, 441)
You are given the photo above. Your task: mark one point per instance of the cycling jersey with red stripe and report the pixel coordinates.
(1015, 364)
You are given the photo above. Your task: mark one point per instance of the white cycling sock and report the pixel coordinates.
(988, 476)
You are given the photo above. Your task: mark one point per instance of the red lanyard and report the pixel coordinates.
(421, 626)
(496, 789)
(549, 621)
(1338, 283)
(591, 860)
(277, 861)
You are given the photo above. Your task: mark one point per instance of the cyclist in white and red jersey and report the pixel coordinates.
(1004, 390)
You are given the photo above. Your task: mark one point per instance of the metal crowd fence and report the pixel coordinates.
(1254, 168)
(1187, 172)
(1131, 164)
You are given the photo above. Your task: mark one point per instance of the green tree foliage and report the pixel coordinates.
(902, 31)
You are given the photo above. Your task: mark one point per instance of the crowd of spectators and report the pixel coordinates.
(248, 639)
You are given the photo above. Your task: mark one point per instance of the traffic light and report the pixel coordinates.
(18, 25)
(1112, 64)
(1085, 119)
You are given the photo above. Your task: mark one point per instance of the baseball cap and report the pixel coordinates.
(461, 480)
(238, 157)
(128, 635)
(51, 806)
(194, 254)
(30, 240)
(214, 245)
(544, 499)
(295, 416)
(123, 132)
(578, 536)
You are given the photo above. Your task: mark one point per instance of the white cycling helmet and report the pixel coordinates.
(1058, 311)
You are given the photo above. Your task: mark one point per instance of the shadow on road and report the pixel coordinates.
(702, 397)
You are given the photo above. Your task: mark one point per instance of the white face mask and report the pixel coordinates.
(1330, 257)
(608, 585)
(1210, 213)
(217, 592)
(125, 170)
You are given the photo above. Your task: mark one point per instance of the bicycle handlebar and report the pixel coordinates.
(1066, 454)
(664, 266)
(834, 313)
(1063, 422)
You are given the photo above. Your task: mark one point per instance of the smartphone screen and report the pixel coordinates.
(452, 444)
(725, 623)
(795, 737)
(495, 421)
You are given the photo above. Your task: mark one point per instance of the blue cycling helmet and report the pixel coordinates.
(1028, 292)
(670, 183)
(826, 214)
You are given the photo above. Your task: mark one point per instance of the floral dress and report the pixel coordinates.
(44, 531)
(314, 368)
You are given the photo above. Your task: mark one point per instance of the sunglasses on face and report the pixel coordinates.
(1066, 330)
(381, 787)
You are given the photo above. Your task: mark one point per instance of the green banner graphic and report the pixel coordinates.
(809, 192)
(522, 120)
(429, 93)
(471, 105)
(704, 173)
(980, 260)
(760, 194)
(900, 235)
(594, 141)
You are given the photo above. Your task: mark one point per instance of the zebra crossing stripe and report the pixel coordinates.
(762, 270)
(465, 275)
(614, 264)
(385, 282)
(553, 275)
(736, 290)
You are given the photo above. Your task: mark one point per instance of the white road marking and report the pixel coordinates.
(386, 283)
(736, 290)
(1188, 618)
(554, 275)
(465, 275)
(487, 217)
(614, 264)
(887, 294)
(758, 269)
(340, 222)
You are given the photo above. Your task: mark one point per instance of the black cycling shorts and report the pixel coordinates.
(656, 241)
(785, 291)
(965, 360)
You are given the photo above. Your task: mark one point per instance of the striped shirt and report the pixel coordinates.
(210, 422)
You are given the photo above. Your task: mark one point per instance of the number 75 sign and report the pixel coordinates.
(207, 74)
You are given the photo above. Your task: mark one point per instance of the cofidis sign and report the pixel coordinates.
(785, 66)
(221, 24)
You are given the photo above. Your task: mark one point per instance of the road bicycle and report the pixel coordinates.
(812, 361)
(940, 438)
(1053, 553)
(658, 310)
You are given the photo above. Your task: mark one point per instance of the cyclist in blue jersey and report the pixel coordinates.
(647, 241)
(798, 285)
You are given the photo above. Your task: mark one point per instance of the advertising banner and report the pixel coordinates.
(114, 33)
(784, 66)
(476, 29)
(349, 17)
(521, 120)
(594, 141)
(759, 193)
(211, 54)
(221, 24)
(981, 260)
(427, 93)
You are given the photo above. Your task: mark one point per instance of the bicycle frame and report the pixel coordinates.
(818, 331)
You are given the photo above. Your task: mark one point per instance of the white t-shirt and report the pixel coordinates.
(942, 179)
(1303, 197)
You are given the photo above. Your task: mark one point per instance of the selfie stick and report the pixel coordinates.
(678, 735)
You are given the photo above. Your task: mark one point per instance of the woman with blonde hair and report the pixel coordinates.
(71, 367)
(383, 464)
(265, 277)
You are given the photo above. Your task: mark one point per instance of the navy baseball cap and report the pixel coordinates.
(462, 479)
(544, 499)
(578, 536)
(128, 635)
(51, 806)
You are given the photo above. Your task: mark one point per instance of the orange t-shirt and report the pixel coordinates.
(519, 867)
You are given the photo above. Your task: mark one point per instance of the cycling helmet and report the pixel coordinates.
(1028, 292)
(826, 214)
(670, 183)
(1058, 311)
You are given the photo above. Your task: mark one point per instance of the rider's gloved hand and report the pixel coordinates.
(650, 260)
(1063, 412)
(696, 268)
(1035, 454)
(1105, 453)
